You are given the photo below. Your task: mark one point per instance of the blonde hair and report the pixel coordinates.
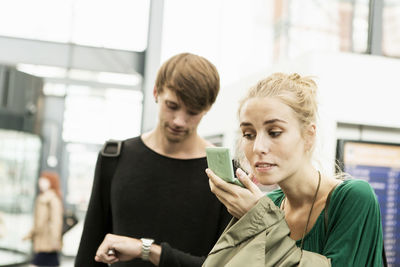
(194, 79)
(299, 93)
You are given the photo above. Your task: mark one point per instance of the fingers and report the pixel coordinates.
(219, 193)
(219, 183)
(246, 180)
(102, 254)
(109, 259)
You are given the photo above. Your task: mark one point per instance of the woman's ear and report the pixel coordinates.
(310, 135)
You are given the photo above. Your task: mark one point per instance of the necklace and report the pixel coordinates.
(312, 206)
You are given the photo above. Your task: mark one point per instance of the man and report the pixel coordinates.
(160, 194)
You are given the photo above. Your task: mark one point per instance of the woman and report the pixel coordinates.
(287, 227)
(46, 234)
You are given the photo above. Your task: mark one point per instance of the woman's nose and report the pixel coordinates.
(261, 145)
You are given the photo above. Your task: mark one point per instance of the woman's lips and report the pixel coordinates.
(264, 166)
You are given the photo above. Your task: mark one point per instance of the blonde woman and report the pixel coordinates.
(46, 234)
(287, 227)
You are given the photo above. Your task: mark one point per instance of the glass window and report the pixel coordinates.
(19, 168)
(360, 26)
(96, 115)
(391, 28)
(328, 26)
(117, 24)
(81, 164)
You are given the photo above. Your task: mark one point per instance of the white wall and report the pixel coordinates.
(353, 88)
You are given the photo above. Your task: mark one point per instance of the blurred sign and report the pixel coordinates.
(379, 164)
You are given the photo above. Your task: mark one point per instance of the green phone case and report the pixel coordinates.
(220, 162)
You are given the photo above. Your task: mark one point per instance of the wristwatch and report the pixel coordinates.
(146, 245)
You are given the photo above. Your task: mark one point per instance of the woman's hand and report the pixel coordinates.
(236, 199)
(122, 248)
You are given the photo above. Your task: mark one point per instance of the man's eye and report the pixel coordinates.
(171, 106)
(193, 113)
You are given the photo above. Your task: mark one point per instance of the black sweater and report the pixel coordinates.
(157, 197)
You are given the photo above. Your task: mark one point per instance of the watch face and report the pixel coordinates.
(147, 241)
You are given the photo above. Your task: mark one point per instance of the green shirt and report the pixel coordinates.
(354, 235)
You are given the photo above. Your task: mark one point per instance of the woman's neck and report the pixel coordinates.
(300, 188)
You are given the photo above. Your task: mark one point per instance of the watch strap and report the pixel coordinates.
(146, 245)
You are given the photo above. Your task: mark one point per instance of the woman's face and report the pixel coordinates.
(272, 140)
(44, 184)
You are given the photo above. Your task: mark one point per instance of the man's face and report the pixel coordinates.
(176, 121)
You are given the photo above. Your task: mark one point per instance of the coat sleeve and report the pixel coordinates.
(280, 249)
(56, 219)
(261, 238)
(97, 222)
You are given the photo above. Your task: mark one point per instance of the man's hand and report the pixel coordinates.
(124, 248)
(116, 248)
(236, 199)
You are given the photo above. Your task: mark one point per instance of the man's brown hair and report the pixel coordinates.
(194, 79)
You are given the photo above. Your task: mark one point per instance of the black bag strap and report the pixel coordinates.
(328, 199)
(110, 154)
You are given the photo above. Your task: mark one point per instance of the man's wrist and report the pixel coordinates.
(155, 254)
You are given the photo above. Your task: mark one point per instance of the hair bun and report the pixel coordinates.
(294, 76)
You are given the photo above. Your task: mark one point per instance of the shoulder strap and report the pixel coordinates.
(328, 199)
(111, 148)
(110, 155)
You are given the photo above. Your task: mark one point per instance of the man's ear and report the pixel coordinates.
(155, 94)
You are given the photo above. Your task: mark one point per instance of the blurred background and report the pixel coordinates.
(74, 74)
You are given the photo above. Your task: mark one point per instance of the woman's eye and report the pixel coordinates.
(248, 136)
(275, 133)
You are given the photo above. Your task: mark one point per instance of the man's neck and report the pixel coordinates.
(191, 147)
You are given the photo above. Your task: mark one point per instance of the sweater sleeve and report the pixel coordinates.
(97, 223)
(174, 257)
(354, 232)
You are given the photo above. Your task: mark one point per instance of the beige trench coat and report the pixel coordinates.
(261, 238)
(47, 227)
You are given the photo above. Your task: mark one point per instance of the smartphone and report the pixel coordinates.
(219, 160)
